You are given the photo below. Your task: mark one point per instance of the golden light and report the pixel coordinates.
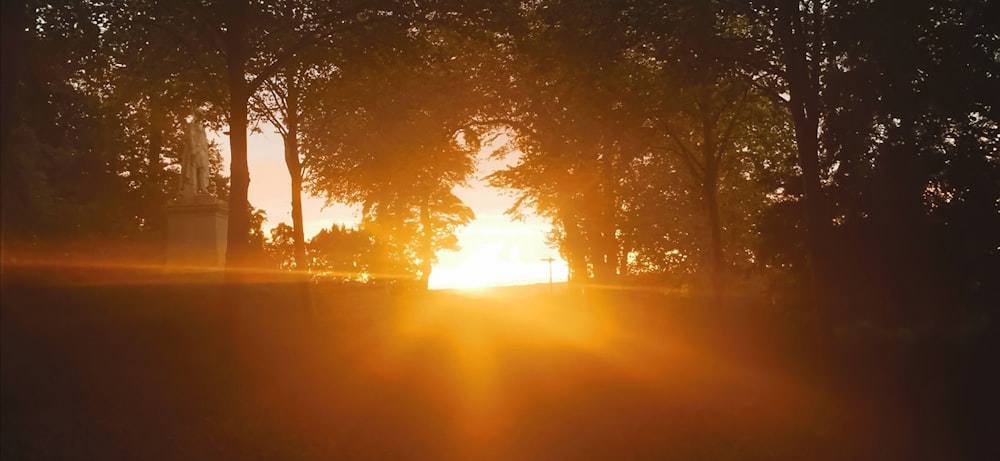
(481, 335)
(490, 359)
(490, 264)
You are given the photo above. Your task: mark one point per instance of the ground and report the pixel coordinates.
(196, 371)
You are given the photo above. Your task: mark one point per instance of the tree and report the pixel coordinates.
(711, 118)
(876, 122)
(156, 89)
(399, 136)
(287, 100)
(901, 152)
(237, 45)
(574, 128)
(65, 163)
(281, 103)
(279, 247)
(341, 253)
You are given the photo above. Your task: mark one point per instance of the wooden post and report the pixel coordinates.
(549, 260)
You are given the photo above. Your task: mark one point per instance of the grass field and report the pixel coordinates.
(167, 371)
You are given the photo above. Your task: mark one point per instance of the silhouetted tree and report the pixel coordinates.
(644, 129)
(279, 248)
(288, 99)
(280, 103)
(238, 45)
(398, 137)
(341, 253)
(575, 130)
(66, 159)
(903, 129)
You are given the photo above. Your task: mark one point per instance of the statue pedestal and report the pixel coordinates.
(196, 233)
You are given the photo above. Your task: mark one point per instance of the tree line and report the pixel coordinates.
(843, 153)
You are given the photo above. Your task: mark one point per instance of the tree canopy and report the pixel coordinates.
(847, 151)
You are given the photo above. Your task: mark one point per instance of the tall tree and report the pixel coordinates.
(705, 112)
(398, 137)
(899, 121)
(800, 28)
(65, 161)
(281, 104)
(237, 45)
(573, 127)
(289, 101)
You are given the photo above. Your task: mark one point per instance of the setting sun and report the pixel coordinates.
(490, 264)
(481, 230)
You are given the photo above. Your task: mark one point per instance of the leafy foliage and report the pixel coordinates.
(844, 150)
(397, 137)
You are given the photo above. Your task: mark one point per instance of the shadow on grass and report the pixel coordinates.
(184, 370)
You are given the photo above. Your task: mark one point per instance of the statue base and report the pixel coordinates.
(196, 233)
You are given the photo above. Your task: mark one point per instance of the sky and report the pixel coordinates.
(494, 250)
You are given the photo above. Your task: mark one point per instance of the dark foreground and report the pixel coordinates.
(189, 371)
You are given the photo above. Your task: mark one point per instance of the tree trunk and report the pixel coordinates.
(295, 169)
(298, 234)
(710, 194)
(155, 192)
(238, 232)
(16, 18)
(238, 244)
(718, 257)
(572, 248)
(600, 221)
(804, 106)
(623, 252)
(426, 249)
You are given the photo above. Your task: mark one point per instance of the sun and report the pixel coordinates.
(494, 265)
(482, 269)
(457, 278)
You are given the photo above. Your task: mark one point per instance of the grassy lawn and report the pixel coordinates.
(192, 371)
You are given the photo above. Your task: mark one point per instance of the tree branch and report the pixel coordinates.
(689, 159)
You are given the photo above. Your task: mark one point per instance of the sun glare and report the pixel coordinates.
(476, 341)
(491, 266)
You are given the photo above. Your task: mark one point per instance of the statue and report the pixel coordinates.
(197, 221)
(194, 161)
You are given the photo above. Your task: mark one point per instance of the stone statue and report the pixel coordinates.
(194, 161)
